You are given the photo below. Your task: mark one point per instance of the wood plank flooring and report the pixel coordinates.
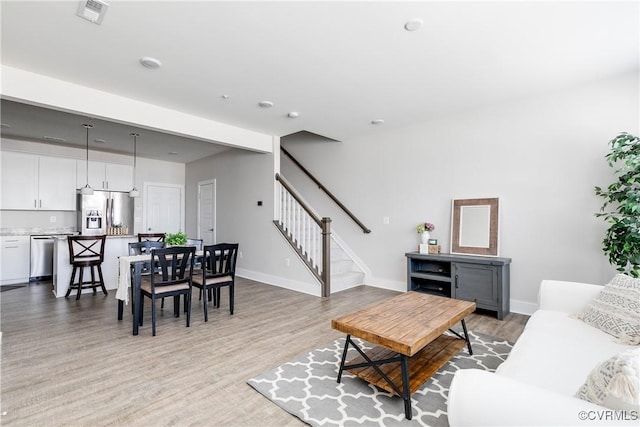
(68, 362)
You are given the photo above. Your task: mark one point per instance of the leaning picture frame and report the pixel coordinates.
(475, 226)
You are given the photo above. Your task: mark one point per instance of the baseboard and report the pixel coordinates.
(523, 307)
(281, 282)
(393, 285)
(517, 306)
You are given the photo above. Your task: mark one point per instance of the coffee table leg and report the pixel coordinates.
(344, 356)
(466, 337)
(406, 395)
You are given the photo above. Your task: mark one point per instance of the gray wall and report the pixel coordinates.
(242, 179)
(541, 155)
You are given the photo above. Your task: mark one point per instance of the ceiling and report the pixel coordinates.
(339, 65)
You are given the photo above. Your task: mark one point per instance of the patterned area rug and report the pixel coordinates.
(307, 387)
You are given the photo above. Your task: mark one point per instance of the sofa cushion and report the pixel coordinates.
(615, 383)
(616, 310)
(557, 352)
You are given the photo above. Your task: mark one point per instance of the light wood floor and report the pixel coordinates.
(68, 362)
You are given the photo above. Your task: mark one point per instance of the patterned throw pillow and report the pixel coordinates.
(616, 310)
(615, 383)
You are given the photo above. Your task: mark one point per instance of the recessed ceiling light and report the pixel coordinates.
(377, 122)
(265, 104)
(53, 138)
(99, 141)
(413, 25)
(150, 62)
(293, 115)
(225, 97)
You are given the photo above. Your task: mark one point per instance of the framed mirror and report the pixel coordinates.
(474, 226)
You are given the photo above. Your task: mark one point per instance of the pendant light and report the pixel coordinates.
(134, 191)
(87, 190)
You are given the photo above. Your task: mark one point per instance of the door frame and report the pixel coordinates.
(215, 204)
(145, 205)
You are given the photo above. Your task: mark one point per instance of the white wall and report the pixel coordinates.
(146, 171)
(542, 156)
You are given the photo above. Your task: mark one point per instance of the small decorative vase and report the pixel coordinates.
(424, 237)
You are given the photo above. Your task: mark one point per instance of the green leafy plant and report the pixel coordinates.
(176, 239)
(621, 207)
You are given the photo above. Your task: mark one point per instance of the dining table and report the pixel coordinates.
(128, 265)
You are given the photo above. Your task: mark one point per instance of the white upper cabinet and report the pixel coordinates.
(32, 182)
(57, 179)
(19, 180)
(105, 176)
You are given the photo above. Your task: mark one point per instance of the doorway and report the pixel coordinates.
(207, 211)
(164, 208)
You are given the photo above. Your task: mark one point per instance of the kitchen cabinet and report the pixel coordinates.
(483, 280)
(32, 182)
(14, 259)
(105, 176)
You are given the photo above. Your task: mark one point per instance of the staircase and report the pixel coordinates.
(345, 273)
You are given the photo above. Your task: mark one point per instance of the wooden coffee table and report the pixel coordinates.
(408, 331)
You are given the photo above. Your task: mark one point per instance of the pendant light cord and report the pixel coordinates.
(87, 127)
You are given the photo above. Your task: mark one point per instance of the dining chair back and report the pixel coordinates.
(172, 276)
(197, 243)
(154, 237)
(218, 270)
(144, 247)
(86, 252)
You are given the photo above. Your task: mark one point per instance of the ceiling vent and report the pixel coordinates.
(92, 10)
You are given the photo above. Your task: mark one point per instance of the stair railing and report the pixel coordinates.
(307, 233)
(364, 228)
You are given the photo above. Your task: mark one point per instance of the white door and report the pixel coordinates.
(164, 207)
(207, 211)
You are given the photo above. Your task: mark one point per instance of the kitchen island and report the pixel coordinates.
(114, 247)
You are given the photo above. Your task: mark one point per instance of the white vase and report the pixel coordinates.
(424, 237)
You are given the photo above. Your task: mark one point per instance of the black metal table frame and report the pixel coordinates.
(404, 366)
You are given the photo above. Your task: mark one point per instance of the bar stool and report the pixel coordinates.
(86, 251)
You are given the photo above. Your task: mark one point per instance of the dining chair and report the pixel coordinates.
(142, 248)
(198, 244)
(218, 270)
(173, 277)
(154, 237)
(86, 252)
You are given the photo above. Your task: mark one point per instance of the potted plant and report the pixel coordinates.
(424, 230)
(176, 239)
(621, 207)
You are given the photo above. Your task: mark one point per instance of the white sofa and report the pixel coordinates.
(537, 383)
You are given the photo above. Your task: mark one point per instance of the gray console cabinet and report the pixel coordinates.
(484, 280)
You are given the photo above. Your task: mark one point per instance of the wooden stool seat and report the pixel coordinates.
(86, 252)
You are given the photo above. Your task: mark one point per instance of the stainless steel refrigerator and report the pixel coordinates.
(105, 212)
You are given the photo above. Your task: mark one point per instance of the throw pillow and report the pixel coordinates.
(615, 383)
(616, 310)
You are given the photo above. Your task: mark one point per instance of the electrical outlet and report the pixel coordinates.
(52, 219)
(240, 254)
(385, 220)
(287, 262)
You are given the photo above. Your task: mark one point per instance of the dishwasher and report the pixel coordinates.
(41, 265)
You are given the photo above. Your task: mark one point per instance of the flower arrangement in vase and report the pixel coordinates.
(424, 230)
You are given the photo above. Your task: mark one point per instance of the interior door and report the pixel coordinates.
(207, 211)
(164, 208)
